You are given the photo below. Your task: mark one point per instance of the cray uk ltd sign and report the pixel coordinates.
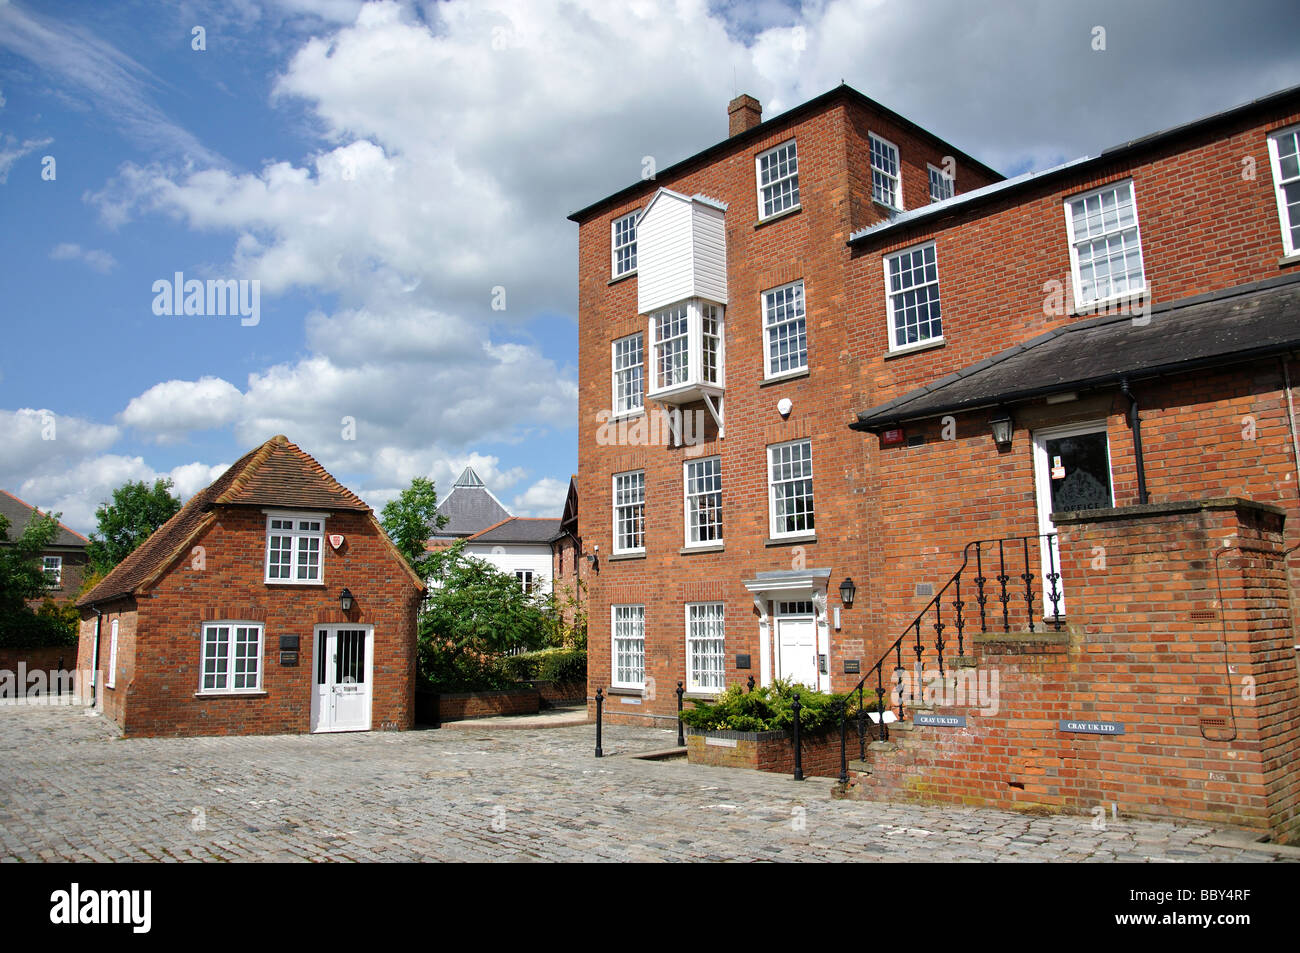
(1091, 727)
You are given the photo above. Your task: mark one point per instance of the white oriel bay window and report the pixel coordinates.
(706, 647)
(232, 657)
(1284, 155)
(293, 547)
(628, 657)
(629, 512)
(703, 479)
(912, 289)
(790, 489)
(1105, 246)
(687, 354)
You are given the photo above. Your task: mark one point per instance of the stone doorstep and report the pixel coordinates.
(661, 754)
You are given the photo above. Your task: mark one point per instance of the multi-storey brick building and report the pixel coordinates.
(1086, 364)
(272, 602)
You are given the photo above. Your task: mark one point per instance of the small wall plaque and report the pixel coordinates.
(288, 658)
(939, 721)
(288, 643)
(631, 701)
(889, 438)
(852, 666)
(1092, 727)
(742, 661)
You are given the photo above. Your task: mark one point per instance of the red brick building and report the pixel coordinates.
(64, 561)
(272, 602)
(1102, 351)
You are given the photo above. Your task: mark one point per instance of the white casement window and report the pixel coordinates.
(886, 183)
(232, 657)
(629, 512)
(703, 483)
(777, 171)
(787, 330)
(293, 548)
(623, 245)
(687, 349)
(912, 290)
(629, 374)
(52, 566)
(1284, 153)
(941, 186)
(790, 488)
(627, 625)
(110, 679)
(525, 579)
(706, 647)
(1105, 246)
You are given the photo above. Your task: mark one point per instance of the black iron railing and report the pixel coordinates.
(997, 603)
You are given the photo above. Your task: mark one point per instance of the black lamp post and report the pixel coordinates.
(847, 591)
(345, 599)
(1000, 424)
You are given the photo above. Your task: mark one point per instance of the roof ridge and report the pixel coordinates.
(37, 509)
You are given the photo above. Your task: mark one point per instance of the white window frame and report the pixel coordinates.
(896, 176)
(772, 452)
(634, 620)
(689, 497)
(230, 639)
(110, 680)
(614, 352)
(299, 538)
(949, 183)
(777, 182)
(688, 317)
(894, 344)
(526, 580)
(54, 581)
(800, 296)
(615, 246)
(618, 535)
(701, 629)
(1081, 303)
(1289, 244)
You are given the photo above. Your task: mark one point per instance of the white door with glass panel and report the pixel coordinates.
(343, 664)
(796, 644)
(1072, 472)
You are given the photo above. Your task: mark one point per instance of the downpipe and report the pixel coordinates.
(1135, 425)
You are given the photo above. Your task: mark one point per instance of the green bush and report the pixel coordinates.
(548, 665)
(445, 670)
(771, 709)
(50, 626)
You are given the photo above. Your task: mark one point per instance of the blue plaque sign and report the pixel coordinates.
(1092, 727)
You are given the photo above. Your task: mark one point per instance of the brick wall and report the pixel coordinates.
(1206, 686)
(458, 706)
(159, 640)
(771, 751)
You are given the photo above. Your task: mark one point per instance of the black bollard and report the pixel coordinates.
(681, 738)
(798, 751)
(600, 705)
(844, 764)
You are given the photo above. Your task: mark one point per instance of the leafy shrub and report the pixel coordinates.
(50, 626)
(442, 669)
(548, 665)
(771, 708)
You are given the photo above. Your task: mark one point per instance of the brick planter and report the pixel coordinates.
(767, 751)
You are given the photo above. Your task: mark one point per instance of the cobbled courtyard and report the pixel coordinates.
(70, 789)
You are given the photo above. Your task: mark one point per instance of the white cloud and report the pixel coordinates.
(97, 259)
(544, 498)
(169, 411)
(11, 150)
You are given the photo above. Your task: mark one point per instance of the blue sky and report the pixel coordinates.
(381, 169)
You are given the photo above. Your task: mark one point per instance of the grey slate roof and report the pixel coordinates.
(1238, 324)
(519, 529)
(470, 508)
(20, 514)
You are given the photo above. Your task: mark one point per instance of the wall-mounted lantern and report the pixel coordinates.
(345, 599)
(1001, 425)
(847, 591)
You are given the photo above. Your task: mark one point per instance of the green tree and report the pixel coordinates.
(410, 520)
(136, 510)
(21, 579)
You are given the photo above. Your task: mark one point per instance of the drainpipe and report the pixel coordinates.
(1135, 424)
(94, 665)
(1290, 419)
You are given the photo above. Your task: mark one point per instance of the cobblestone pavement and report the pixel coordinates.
(70, 789)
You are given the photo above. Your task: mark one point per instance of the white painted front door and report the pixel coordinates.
(796, 650)
(1072, 472)
(344, 669)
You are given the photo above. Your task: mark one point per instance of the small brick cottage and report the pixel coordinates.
(272, 602)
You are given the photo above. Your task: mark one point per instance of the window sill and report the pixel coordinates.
(787, 376)
(891, 211)
(701, 696)
(619, 557)
(1286, 261)
(627, 691)
(710, 548)
(790, 540)
(291, 582)
(260, 693)
(1115, 304)
(795, 210)
(914, 348)
(623, 277)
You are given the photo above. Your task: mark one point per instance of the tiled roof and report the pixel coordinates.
(20, 514)
(470, 507)
(278, 473)
(1244, 323)
(519, 529)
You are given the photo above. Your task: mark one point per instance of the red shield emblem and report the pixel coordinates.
(336, 540)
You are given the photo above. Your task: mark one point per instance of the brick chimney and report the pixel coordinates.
(743, 113)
